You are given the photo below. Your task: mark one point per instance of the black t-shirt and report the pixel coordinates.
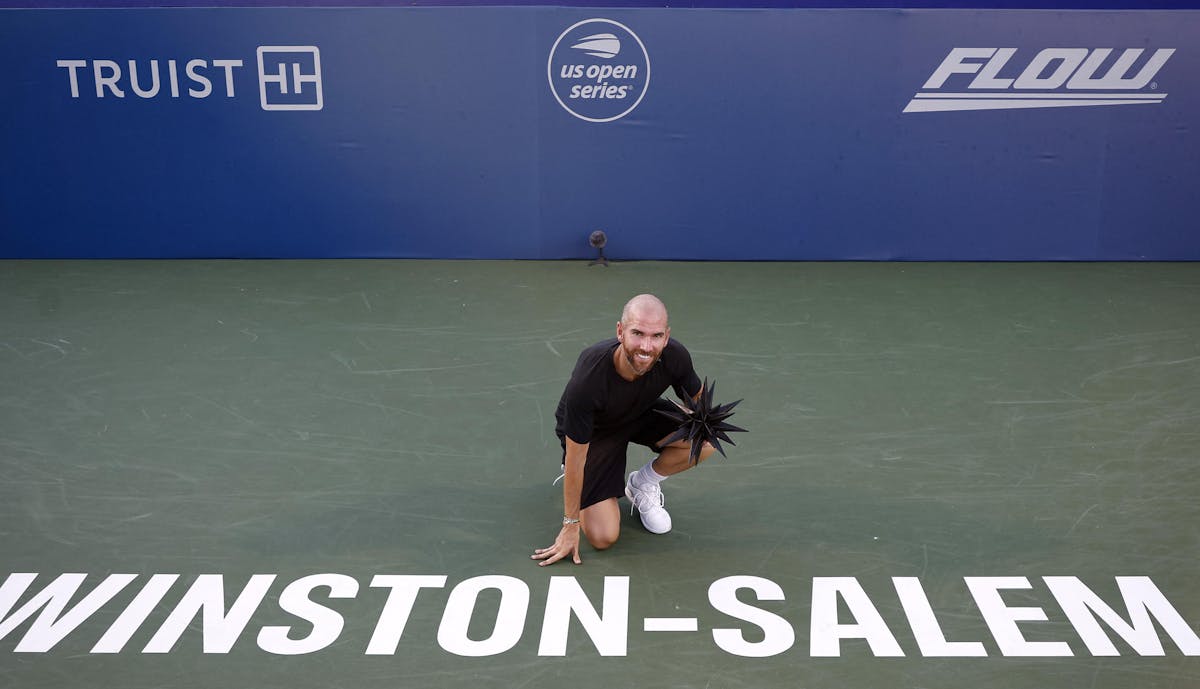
(598, 400)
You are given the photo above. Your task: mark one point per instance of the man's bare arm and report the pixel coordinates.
(567, 542)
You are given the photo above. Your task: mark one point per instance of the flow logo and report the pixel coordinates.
(598, 70)
(289, 78)
(1054, 78)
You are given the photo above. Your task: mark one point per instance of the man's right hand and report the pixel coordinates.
(566, 544)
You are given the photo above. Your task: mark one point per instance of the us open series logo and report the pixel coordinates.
(598, 70)
(289, 77)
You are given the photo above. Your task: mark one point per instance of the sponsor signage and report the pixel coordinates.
(599, 70)
(1051, 78)
(289, 78)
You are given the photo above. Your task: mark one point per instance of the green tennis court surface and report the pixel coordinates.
(332, 474)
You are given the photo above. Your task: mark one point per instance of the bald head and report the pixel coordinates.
(646, 307)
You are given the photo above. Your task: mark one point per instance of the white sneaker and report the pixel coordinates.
(648, 500)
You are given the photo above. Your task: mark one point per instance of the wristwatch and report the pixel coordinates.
(568, 521)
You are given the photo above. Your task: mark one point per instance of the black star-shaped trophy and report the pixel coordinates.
(701, 421)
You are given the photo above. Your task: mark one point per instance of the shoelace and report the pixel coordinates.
(647, 496)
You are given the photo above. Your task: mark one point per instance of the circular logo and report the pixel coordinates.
(598, 70)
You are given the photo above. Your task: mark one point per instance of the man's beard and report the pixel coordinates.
(634, 362)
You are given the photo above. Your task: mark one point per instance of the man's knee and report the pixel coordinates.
(602, 538)
(706, 449)
(602, 523)
(602, 543)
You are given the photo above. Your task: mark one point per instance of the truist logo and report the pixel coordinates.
(1054, 78)
(289, 78)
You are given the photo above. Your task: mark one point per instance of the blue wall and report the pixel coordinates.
(705, 4)
(759, 134)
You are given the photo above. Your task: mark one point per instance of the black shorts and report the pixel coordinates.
(604, 471)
